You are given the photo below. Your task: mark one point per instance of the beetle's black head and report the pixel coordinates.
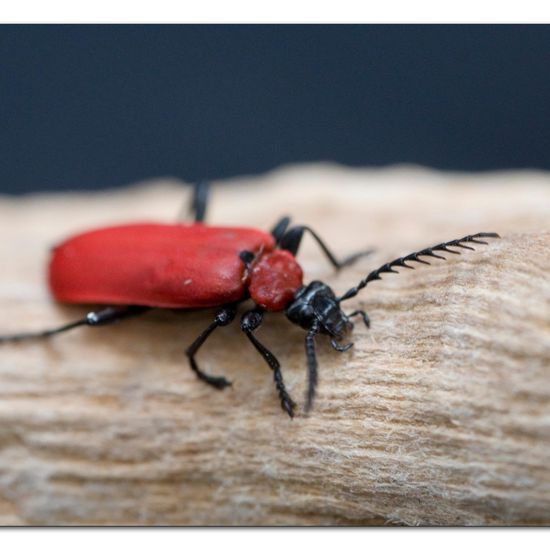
(316, 303)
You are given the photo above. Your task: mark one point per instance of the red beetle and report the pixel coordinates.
(182, 266)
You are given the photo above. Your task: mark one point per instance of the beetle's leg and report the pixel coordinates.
(250, 321)
(93, 319)
(338, 347)
(196, 208)
(199, 202)
(311, 365)
(280, 229)
(293, 237)
(363, 314)
(223, 317)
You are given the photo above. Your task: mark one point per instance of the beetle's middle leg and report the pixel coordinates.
(250, 321)
(223, 318)
(292, 239)
(363, 315)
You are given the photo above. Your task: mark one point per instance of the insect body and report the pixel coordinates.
(182, 266)
(172, 266)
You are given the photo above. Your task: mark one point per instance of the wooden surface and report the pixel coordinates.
(439, 415)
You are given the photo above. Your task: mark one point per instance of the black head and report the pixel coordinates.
(316, 308)
(317, 305)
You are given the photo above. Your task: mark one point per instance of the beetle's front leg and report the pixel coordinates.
(223, 317)
(363, 315)
(250, 321)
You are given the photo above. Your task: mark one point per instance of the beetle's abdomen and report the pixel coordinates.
(157, 265)
(274, 279)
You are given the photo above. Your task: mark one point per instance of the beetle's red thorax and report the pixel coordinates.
(273, 279)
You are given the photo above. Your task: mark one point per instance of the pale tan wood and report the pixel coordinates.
(440, 415)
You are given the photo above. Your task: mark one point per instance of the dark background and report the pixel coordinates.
(100, 106)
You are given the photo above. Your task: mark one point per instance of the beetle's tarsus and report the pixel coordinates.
(218, 382)
(338, 347)
(288, 406)
(292, 239)
(352, 258)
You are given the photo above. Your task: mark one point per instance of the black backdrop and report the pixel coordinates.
(98, 106)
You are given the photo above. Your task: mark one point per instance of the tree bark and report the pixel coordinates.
(439, 415)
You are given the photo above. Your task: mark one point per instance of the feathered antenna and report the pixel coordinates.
(415, 257)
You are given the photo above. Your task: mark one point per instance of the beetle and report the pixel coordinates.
(138, 267)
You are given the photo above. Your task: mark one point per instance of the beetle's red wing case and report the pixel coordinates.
(157, 265)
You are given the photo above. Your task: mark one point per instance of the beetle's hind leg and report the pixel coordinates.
(223, 318)
(93, 319)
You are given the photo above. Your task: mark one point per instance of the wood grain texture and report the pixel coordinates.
(439, 415)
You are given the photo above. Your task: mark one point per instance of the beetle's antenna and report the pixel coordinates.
(414, 257)
(311, 365)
